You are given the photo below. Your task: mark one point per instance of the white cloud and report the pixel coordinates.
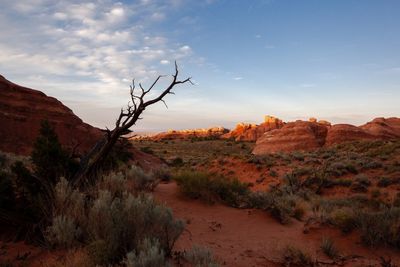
(238, 78)
(90, 48)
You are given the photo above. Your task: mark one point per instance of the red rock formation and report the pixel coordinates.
(251, 132)
(310, 135)
(341, 133)
(213, 132)
(383, 128)
(299, 135)
(21, 112)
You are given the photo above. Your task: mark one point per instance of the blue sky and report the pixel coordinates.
(337, 60)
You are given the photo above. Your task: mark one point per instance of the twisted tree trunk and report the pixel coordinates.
(127, 118)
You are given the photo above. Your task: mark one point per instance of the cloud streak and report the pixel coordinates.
(97, 45)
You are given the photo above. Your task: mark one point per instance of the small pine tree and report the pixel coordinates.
(48, 156)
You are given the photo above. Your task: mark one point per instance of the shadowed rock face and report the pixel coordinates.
(251, 132)
(311, 135)
(21, 112)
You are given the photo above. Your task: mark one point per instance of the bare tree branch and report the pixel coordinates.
(126, 119)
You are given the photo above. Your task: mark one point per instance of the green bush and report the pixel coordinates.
(50, 160)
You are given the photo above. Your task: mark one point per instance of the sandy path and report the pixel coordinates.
(242, 237)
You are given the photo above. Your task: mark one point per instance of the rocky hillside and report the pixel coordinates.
(213, 132)
(21, 112)
(310, 135)
(251, 132)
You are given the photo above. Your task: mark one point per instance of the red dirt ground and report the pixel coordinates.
(244, 237)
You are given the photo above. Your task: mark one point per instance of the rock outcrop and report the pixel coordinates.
(251, 132)
(299, 135)
(311, 135)
(383, 128)
(341, 133)
(21, 112)
(213, 132)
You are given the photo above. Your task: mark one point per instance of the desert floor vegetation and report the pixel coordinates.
(351, 187)
(112, 220)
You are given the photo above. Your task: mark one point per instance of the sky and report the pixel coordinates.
(337, 60)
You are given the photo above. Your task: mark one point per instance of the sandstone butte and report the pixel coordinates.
(311, 135)
(251, 132)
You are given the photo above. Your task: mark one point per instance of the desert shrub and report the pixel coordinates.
(344, 218)
(260, 200)
(360, 184)
(273, 173)
(370, 164)
(285, 206)
(386, 181)
(329, 248)
(148, 254)
(177, 162)
(111, 221)
(208, 187)
(63, 232)
(295, 257)
(115, 183)
(375, 193)
(318, 180)
(123, 222)
(265, 160)
(380, 228)
(292, 183)
(68, 202)
(162, 174)
(342, 182)
(297, 155)
(200, 257)
(342, 167)
(147, 150)
(142, 181)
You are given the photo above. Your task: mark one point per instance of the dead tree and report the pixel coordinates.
(126, 119)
